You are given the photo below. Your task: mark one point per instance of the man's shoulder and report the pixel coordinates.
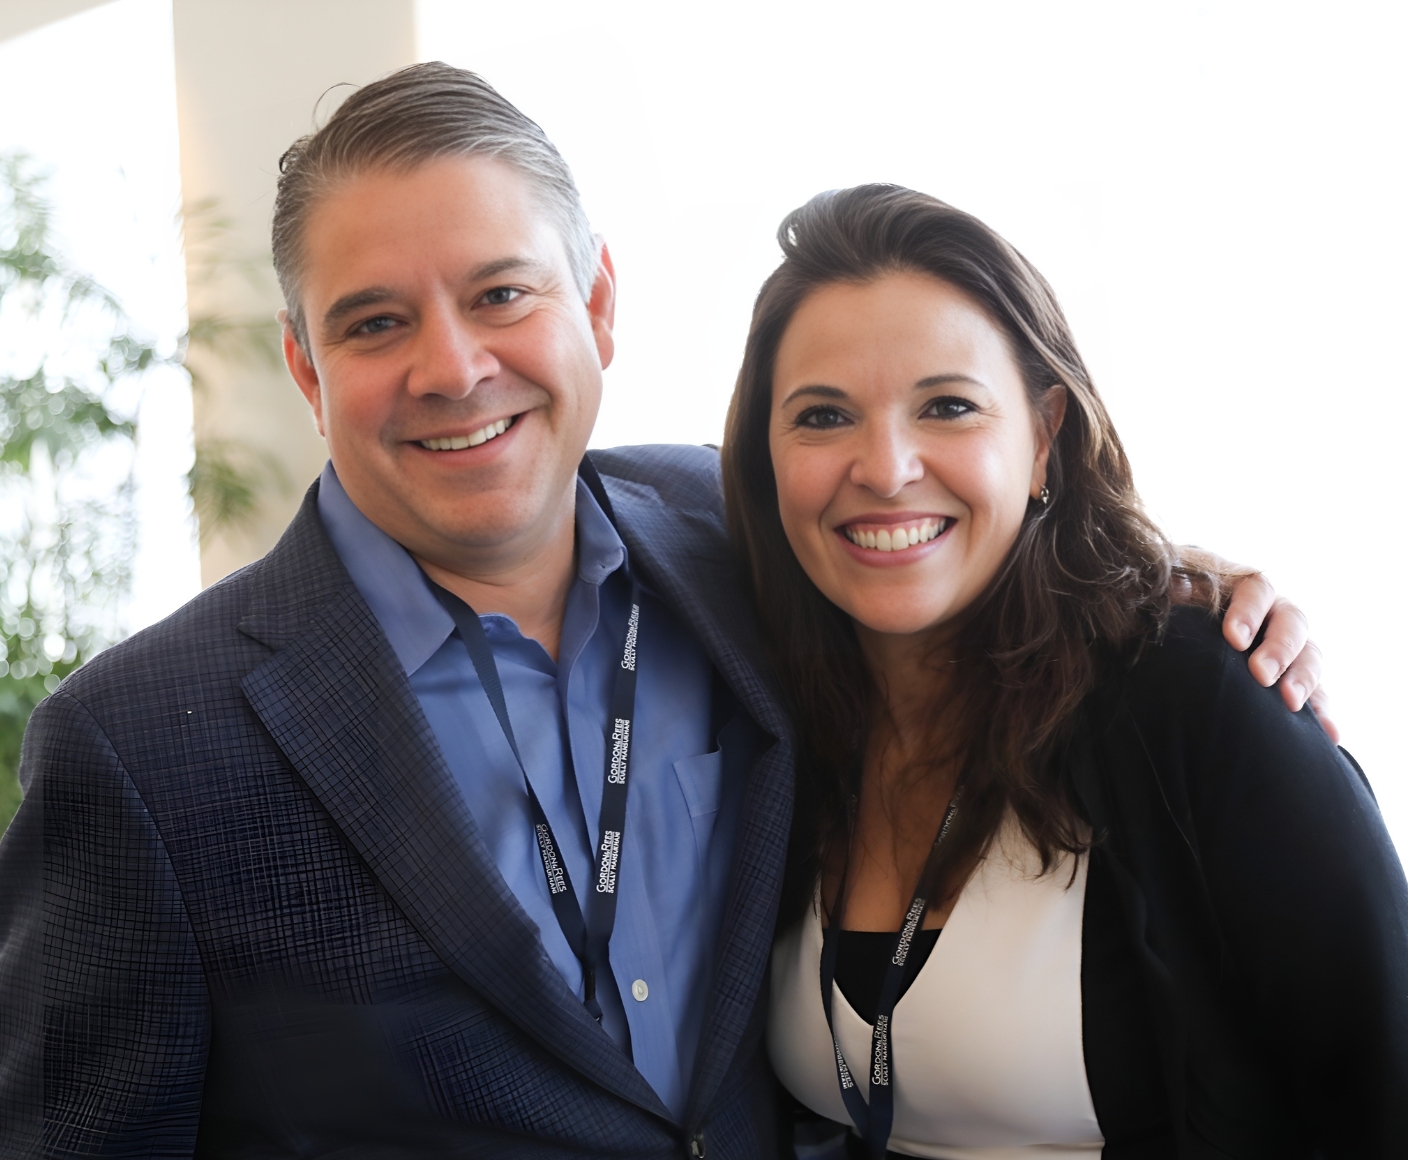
(216, 635)
(682, 475)
(190, 640)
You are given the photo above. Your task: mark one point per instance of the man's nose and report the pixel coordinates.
(450, 357)
(887, 460)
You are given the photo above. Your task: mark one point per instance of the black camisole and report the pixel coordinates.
(863, 957)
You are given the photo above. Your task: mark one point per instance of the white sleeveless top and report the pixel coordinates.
(988, 1062)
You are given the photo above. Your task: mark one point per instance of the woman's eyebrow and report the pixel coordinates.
(944, 380)
(816, 391)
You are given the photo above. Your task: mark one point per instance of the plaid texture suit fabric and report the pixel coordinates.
(245, 911)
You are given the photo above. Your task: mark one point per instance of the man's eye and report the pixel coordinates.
(501, 295)
(948, 408)
(374, 325)
(821, 418)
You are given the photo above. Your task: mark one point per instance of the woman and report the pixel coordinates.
(1173, 922)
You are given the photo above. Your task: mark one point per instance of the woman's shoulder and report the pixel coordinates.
(1186, 676)
(1255, 854)
(1188, 646)
(1183, 707)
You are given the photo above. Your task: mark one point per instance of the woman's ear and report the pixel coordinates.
(1049, 417)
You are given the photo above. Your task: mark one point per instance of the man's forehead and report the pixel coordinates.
(477, 215)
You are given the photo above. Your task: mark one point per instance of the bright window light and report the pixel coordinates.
(106, 135)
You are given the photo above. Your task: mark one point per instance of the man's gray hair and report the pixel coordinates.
(403, 120)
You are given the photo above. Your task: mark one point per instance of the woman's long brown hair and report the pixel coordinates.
(1087, 575)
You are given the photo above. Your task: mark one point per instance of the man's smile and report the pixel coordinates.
(473, 439)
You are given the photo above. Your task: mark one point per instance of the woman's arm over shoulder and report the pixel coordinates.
(1308, 890)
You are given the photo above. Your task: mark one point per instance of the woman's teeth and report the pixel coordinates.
(900, 537)
(460, 442)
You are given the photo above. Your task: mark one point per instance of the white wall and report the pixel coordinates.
(251, 77)
(1216, 191)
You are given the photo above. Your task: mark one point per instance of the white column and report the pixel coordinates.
(249, 74)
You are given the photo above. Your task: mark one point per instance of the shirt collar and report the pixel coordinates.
(392, 583)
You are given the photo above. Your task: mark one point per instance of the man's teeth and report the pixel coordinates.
(898, 538)
(460, 442)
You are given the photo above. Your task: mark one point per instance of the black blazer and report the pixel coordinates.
(1246, 944)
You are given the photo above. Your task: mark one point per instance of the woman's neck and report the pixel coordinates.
(910, 672)
(908, 780)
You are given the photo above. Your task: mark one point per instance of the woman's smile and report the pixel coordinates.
(894, 541)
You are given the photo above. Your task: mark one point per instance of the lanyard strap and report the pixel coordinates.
(874, 1121)
(589, 938)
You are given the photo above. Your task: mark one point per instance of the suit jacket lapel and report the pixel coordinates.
(337, 703)
(683, 555)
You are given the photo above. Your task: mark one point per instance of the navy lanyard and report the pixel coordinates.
(589, 937)
(873, 1121)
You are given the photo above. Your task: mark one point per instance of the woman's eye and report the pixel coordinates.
(948, 408)
(501, 295)
(821, 418)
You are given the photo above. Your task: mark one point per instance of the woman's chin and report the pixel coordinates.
(891, 621)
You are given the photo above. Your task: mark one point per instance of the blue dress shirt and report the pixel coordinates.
(676, 848)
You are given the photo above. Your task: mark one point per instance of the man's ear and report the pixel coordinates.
(1048, 422)
(601, 306)
(304, 373)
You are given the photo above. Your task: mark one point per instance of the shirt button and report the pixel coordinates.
(640, 991)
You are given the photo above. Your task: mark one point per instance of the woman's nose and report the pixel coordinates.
(887, 461)
(450, 357)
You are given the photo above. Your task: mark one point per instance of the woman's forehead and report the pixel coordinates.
(897, 329)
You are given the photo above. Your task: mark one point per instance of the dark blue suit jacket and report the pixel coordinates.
(244, 910)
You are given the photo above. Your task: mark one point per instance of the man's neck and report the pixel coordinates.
(530, 587)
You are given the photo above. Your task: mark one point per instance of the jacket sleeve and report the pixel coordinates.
(1310, 901)
(104, 1016)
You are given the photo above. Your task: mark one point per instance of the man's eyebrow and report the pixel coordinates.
(815, 391)
(507, 265)
(357, 300)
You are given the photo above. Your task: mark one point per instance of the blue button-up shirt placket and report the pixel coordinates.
(635, 954)
(669, 900)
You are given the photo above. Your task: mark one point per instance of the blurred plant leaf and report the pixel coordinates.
(228, 478)
(226, 481)
(67, 522)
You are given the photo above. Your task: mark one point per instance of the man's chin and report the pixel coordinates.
(483, 524)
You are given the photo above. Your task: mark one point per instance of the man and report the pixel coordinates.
(336, 860)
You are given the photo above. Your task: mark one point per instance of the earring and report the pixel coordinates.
(1045, 496)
